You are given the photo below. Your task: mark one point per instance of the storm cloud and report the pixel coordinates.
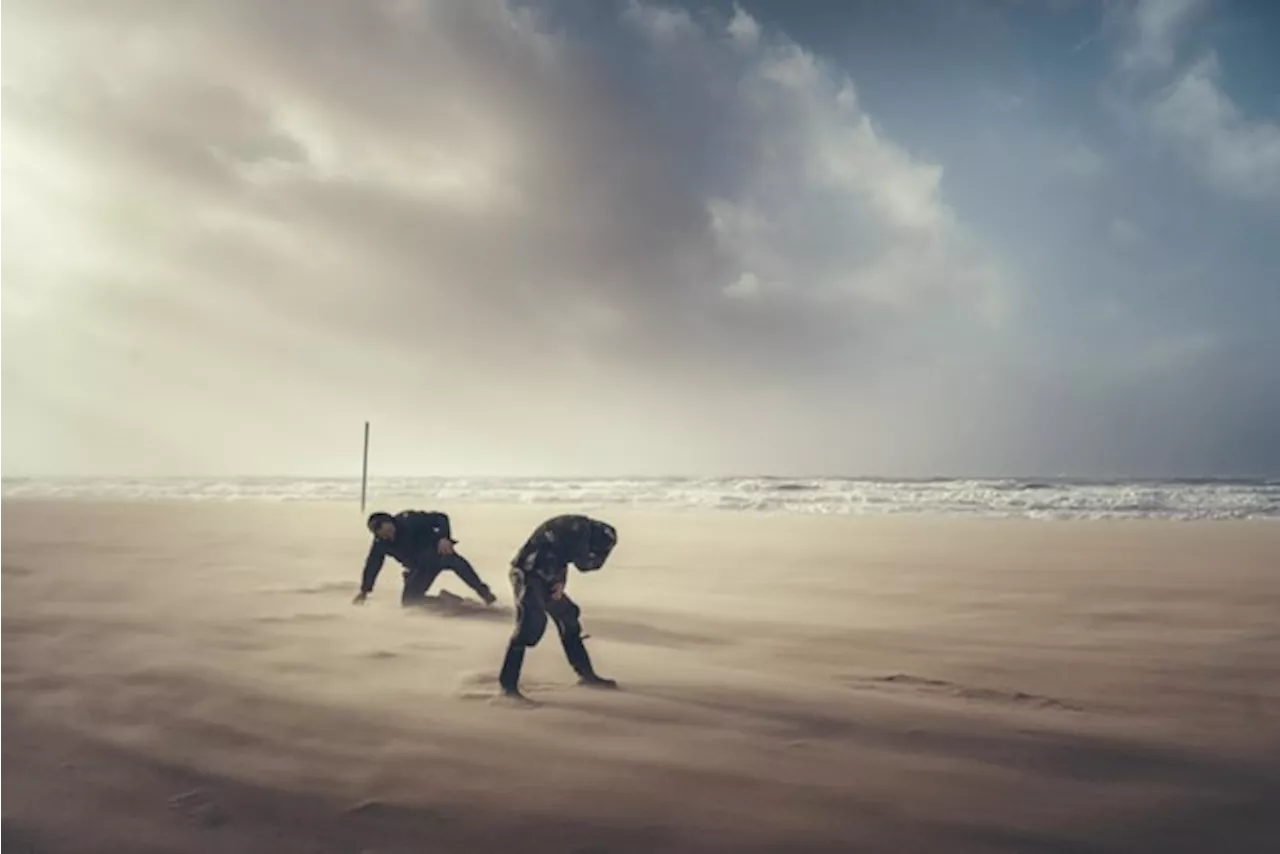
(527, 238)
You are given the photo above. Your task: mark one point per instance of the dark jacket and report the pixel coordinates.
(552, 546)
(418, 534)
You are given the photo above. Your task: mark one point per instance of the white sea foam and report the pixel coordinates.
(1048, 499)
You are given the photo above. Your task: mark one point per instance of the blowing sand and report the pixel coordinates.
(194, 678)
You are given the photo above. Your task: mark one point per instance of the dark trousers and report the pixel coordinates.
(419, 579)
(532, 595)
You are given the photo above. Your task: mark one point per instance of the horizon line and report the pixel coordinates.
(903, 478)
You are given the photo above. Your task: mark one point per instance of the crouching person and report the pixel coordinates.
(424, 545)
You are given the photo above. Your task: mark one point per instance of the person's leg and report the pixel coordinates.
(464, 570)
(416, 583)
(529, 595)
(567, 616)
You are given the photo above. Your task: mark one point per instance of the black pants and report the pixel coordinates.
(419, 579)
(532, 595)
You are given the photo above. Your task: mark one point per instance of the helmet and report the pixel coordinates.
(601, 538)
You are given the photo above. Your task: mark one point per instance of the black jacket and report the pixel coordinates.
(552, 546)
(417, 536)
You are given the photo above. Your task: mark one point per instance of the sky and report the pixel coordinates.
(635, 238)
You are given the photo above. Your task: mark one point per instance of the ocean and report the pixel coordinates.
(1195, 498)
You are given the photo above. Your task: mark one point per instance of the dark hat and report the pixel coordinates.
(601, 538)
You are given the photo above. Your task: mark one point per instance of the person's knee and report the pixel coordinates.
(530, 627)
(525, 637)
(569, 627)
(568, 619)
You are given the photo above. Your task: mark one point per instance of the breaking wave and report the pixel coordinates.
(1197, 498)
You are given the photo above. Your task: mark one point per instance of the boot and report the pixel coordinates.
(487, 595)
(576, 652)
(509, 678)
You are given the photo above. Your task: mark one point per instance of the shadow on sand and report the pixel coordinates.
(446, 604)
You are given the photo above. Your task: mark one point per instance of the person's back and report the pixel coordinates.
(553, 545)
(418, 533)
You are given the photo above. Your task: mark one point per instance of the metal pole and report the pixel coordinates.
(364, 470)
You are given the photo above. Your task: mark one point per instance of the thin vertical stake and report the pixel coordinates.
(364, 469)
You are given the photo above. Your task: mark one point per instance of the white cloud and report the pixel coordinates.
(1125, 231)
(352, 196)
(665, 25)
(1080, 160)
(1173, 354)
(1185, 105)
(747, 286)
(1003, 101)
(1157, 27)
(1240, 155)
(825, 207)
(743, 29)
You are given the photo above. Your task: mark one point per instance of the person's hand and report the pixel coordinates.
(360, 597)
(557, 590)
(445, 546)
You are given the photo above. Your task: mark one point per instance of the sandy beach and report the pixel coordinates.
(193, 677)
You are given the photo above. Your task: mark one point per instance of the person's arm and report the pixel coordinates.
(372, 566)
(437, 532)
(560, 580)
(443, 534)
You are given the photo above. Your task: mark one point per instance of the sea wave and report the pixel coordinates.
(1197, 498)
